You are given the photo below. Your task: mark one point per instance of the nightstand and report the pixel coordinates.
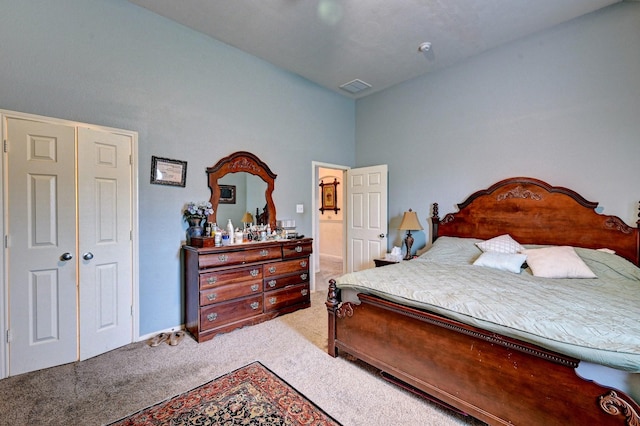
(384, 262)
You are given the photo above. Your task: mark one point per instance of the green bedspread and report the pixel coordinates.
(596, 320)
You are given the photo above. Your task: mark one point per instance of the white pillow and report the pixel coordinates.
(606, 250)
(502, 244)
(557, 262)
(501, 261)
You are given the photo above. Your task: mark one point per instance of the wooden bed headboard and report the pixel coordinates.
(534, 212)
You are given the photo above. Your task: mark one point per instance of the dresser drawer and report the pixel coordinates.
(260, 255)
(212, 260)
(293, 295)
(285, 280)
(230, 276)
(228, 292)
(219, 314)
(286, 267)
(296, 249)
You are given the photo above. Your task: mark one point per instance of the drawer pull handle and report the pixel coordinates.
(254, 287)
(272, 270)
(303, 263)
(254, 273)
(272, 283)
(264, 253)
(212, 317)
(303, 277)
(304, 291)
(212, 280)
(255, 305)
(212, 296)
(223, 257)
(273, 300)
(298, 249)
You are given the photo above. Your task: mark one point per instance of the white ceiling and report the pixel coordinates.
(332, 42)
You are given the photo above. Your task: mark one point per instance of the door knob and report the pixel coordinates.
(381, 235)
(66, 256)
(87, 256)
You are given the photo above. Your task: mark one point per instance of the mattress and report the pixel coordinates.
(596, 319)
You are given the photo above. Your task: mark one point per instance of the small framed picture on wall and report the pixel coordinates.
(165, 171)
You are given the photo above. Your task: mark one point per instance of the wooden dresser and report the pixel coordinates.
(244, 284)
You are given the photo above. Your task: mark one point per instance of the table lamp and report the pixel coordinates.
(247, 218)
(409, 222)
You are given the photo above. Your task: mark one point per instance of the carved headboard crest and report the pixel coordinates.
(519, 192)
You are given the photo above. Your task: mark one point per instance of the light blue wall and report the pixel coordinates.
(562, 106)
(191, 98)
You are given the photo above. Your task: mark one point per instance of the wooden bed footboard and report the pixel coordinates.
(493, 378)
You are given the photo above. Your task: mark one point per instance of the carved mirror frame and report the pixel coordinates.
(242, 161)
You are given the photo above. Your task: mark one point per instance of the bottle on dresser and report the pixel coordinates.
(216, 233)
(230, 231)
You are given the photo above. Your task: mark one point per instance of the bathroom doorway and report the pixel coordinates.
(329, 226)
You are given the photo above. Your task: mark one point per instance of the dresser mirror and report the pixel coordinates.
(249, 183)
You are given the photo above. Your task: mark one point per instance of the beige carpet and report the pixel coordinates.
(329, 268)
(123, 381)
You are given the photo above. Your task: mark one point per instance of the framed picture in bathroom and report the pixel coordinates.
(329, 198)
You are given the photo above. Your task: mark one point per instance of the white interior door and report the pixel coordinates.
(105, 244)
(367, 224)
(41, 235)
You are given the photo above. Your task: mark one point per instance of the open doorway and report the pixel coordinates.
(329, 228)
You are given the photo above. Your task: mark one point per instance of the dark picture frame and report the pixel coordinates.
(227, 194)
(329, 197)
(165, 171)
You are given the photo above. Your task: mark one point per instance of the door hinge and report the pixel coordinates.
(9, 336)
(6, 241)
(131, 160)
(5, 146)
(131, 310)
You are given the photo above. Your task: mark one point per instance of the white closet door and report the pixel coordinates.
(42, 234)
(70, 249)
(105, 246)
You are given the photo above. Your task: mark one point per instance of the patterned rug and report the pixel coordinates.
(251, 395)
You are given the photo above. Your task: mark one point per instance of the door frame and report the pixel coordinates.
(315, 222)
(135, 262)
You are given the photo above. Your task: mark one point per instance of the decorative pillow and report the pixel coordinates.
(501, 261)
(557, 262)
(502, 244)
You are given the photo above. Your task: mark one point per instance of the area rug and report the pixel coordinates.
(250, 395)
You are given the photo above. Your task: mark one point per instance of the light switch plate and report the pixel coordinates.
(299, 208)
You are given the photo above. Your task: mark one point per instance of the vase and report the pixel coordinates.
(195, 228)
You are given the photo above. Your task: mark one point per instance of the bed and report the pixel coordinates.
(495, 372)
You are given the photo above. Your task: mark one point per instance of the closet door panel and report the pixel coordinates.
(105, 223)
(41, 252)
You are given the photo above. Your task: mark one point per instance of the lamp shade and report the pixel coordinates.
(410, 222)
(247, 218)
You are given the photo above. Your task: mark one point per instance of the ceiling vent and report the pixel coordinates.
(355, 86)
